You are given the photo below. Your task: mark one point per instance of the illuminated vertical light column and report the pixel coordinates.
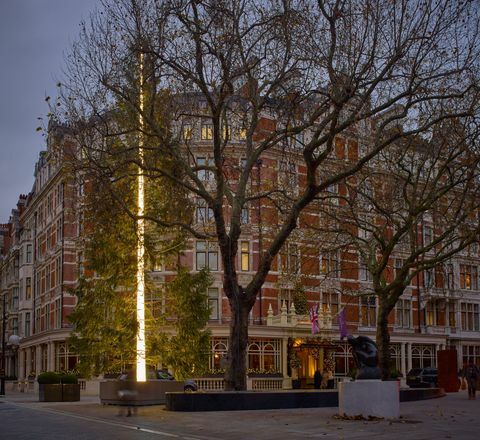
(141, 364)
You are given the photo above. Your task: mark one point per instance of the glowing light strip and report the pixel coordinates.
(141, 363)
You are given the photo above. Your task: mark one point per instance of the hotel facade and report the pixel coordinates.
(40, 259)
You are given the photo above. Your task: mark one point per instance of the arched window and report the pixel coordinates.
(254, 357)
(269, 358)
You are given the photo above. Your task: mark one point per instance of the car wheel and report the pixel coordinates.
(188, 389)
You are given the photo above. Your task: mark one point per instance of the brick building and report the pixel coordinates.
(41, 259)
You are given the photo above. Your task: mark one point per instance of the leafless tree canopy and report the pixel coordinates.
(272, 79)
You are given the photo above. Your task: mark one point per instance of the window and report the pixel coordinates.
(329, 265)
(47, 317)
(206, 255)
(244, 216)
(187, 132)
(59, 194)
(58, 269)
(398, 265)
(53, 281)
(427, 235)
(366, 193)
(285, 296)
(81, 267)
(368, 311)
(58, 313)
(15, 326)
(403, 313)
(28, 254)
(332, 193)
(330, 300)
(364, 226)
(207, 132)
(59, 230)
(48, 278)
(471, 353)
(203, 214)
(431, 313)
(81, 188)
(15, 299)
(470, 317)
(288, 174)
(423, 356)
(245, 256)
(429, 278)
(213, 302)
(452, 314)
(289, 258)
(28, 288)
(27, 324)
(468, 277)
(225, 133)
(364, 273)
(264, 356)
(157, 265)
(299, 140)
(204, 174)
(242, 134)
(449, 279)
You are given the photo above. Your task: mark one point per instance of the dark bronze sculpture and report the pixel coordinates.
(365, 354)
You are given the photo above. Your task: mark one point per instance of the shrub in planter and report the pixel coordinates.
(70, 387)
(49, 377)
(55, 387)
(68, 378)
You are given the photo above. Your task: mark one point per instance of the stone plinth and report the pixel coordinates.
(369, 398)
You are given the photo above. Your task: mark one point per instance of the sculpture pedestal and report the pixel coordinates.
(369, 398)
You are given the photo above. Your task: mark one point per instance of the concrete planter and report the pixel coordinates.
(370, 397)
(129, 392)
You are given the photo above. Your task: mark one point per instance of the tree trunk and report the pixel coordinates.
(236, 373)
(383, 340)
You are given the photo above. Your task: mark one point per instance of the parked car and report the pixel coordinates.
(422, 378)
(189, 384)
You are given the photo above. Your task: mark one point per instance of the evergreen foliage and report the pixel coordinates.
(187, 304)
(300, 299)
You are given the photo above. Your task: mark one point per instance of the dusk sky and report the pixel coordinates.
(34, 34)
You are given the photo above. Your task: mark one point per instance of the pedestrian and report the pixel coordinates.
(317, 380)
(471, 374)
(127, 395)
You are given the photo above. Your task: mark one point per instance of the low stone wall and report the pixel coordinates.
(253, 400)
(132, 393)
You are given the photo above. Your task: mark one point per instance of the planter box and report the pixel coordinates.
(49, 392)
(70, 392)
(58, 392)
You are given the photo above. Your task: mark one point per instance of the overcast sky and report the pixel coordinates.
(33, 37)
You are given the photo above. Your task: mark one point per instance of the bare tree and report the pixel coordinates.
(265, 80)
(408, 213)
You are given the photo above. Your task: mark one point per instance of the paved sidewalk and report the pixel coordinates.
(453, 416)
